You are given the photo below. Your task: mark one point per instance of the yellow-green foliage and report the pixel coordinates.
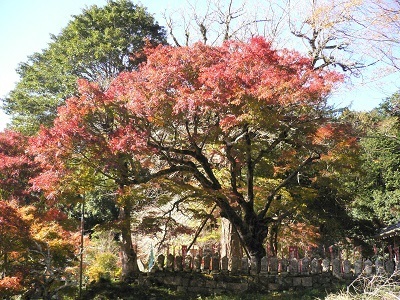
(102, 256)
(104, 266)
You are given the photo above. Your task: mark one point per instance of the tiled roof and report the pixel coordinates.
(392, 230)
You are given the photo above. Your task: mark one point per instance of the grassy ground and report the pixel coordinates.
(107, 290)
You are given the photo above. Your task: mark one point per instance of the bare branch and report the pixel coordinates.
(198, 231)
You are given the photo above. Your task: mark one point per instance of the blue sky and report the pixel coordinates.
(25, 28)
(26, 25)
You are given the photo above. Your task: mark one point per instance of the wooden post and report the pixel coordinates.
(81, 249)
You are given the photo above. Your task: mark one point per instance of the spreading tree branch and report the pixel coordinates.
(292, 175)
(198, 231)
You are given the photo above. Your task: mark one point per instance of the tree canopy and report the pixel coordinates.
(212, 119)
(95, 45)
(378, 197)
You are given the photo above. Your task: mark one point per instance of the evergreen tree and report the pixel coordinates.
(378, 198)
(96, 45)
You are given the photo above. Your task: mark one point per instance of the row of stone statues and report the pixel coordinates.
(274, 265)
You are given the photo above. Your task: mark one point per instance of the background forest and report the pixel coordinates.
(216, 131)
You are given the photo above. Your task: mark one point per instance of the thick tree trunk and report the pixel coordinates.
(256, 250)
(252, 241)
(129, 264)
(230, 242)
(252, 231)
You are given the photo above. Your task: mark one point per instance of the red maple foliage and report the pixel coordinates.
(10, 286)
(26, 233)
(14, 240)
(14, 231)
(16, 167)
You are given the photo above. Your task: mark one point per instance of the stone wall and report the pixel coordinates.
(226, 283)
(210, 274)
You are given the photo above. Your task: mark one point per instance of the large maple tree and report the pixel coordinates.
(215, 121)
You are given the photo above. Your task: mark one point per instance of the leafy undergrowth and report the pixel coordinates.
(107, 290)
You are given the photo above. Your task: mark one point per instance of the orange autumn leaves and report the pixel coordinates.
(235, 84)
(227, 79)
